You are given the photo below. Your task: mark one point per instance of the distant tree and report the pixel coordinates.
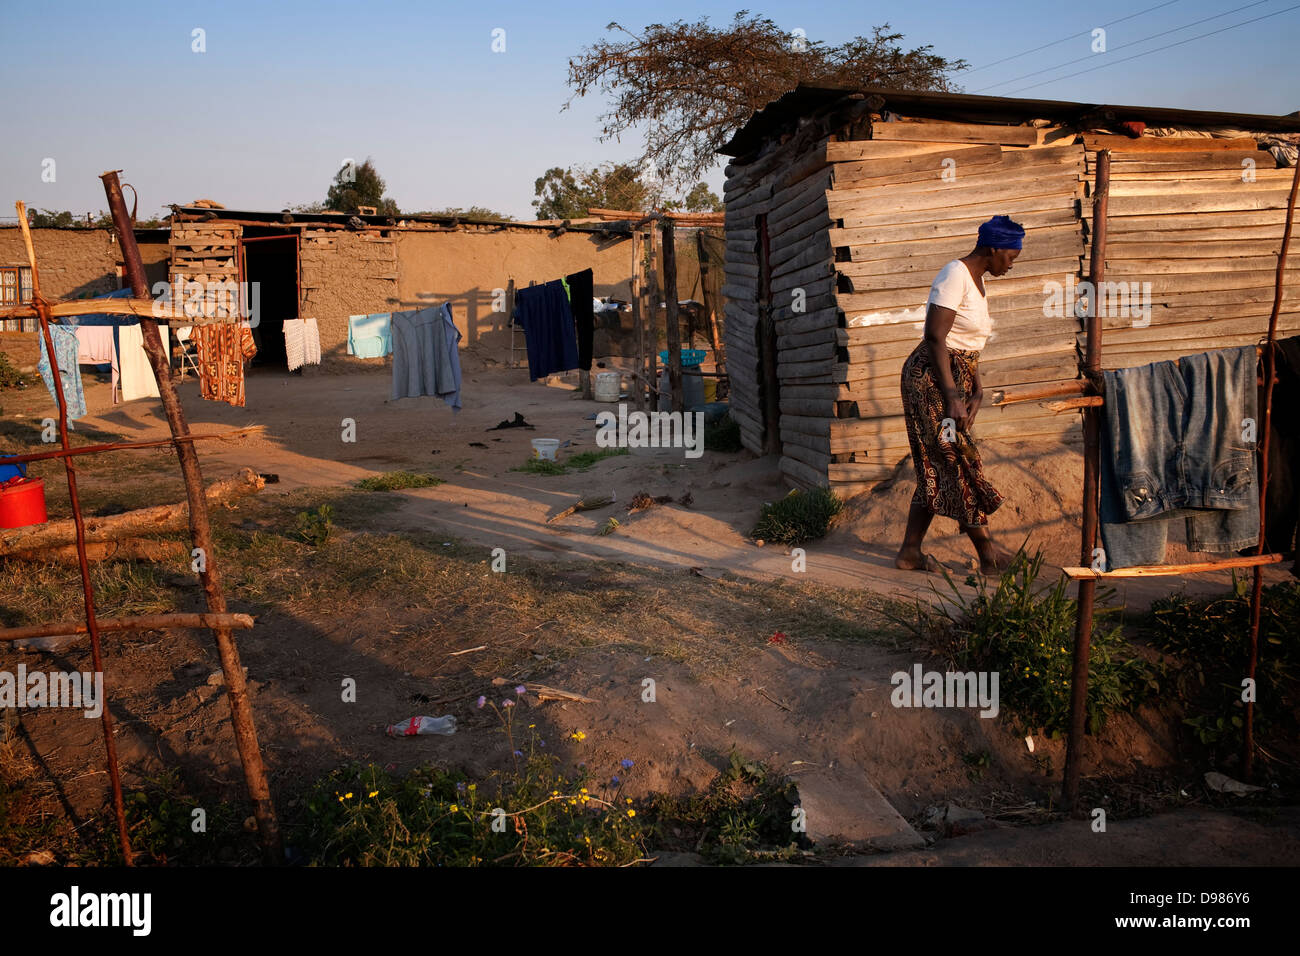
(50, 219)
(473, 212)
(356, 186)
(702, 199)
(571, 193)
(307, 208)
(693, 85)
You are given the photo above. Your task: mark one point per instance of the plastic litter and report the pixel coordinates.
(445, 725)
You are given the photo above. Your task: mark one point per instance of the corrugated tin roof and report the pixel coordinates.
(966, 107)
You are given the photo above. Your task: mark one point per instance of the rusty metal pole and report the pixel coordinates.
(241, 711)
(1091, 492)
(674, 321)
(1257, 582)
(87, 589)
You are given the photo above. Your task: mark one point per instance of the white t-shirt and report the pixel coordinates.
(954, 288)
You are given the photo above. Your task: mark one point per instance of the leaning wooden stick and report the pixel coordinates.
(146, 622)
(22, 542)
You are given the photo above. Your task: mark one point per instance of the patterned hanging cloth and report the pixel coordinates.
(222, 350)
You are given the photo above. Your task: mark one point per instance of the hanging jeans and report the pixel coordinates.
(1178, 441)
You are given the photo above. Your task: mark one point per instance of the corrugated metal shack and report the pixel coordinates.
(842, 205)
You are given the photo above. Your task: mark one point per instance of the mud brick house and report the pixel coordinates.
(842, 205)
(330, 266)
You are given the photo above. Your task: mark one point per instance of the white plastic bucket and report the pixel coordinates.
(545, 448)
(608, 386)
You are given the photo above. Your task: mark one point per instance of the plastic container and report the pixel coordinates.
(22, 503)
(692, 390)
(690, 357)
(608, 386)
(545, 448)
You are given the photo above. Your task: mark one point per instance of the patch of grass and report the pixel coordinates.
(745, 816)
(579, 462)
(397, 480)
(798, 517)
(585, 459)
(540, 466)
(1026, 635)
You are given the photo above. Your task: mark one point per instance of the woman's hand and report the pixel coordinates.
(973, 406)
(957, 410)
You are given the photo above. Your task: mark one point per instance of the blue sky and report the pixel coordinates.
(287, 90)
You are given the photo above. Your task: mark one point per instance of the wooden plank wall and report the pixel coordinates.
(907, 207)
(1203, 226)
(788, 186)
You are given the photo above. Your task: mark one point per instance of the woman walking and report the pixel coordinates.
(942, 394)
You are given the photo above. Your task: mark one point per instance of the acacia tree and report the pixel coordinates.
(570, 193)
(356, 186)
(693, 85)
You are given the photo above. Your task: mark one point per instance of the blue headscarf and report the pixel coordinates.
(1001, 233)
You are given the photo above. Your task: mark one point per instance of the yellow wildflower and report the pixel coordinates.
(454, 808)
(374, 793)
(631, 813)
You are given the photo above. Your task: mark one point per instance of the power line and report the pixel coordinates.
(1073, 36)
(1124, 46)
(1158, 49)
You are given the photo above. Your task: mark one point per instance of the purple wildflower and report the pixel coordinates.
(481, 701)
(507, 703)
(626, 764)
(520, 690)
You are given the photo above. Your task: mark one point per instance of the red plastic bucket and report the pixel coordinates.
(22, 503)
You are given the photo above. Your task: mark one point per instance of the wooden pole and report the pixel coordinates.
(638, 321)
(1257, 583)
(710, 307)
(241, 711)
(87, 589)
(1091, 489)
(652, 317)
(674, 321)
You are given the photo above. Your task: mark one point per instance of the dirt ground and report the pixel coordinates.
(811, 704)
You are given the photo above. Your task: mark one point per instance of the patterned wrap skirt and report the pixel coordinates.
(949, 474)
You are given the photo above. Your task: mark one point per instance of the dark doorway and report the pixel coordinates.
(272, 263)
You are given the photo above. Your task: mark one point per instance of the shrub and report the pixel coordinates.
(314, 527)
(1027, 636)
(798, 517)
(1209, 640)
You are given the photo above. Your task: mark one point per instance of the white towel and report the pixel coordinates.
(137, 376)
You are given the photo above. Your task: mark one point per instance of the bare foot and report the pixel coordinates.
(916, 561)
(997, 562)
